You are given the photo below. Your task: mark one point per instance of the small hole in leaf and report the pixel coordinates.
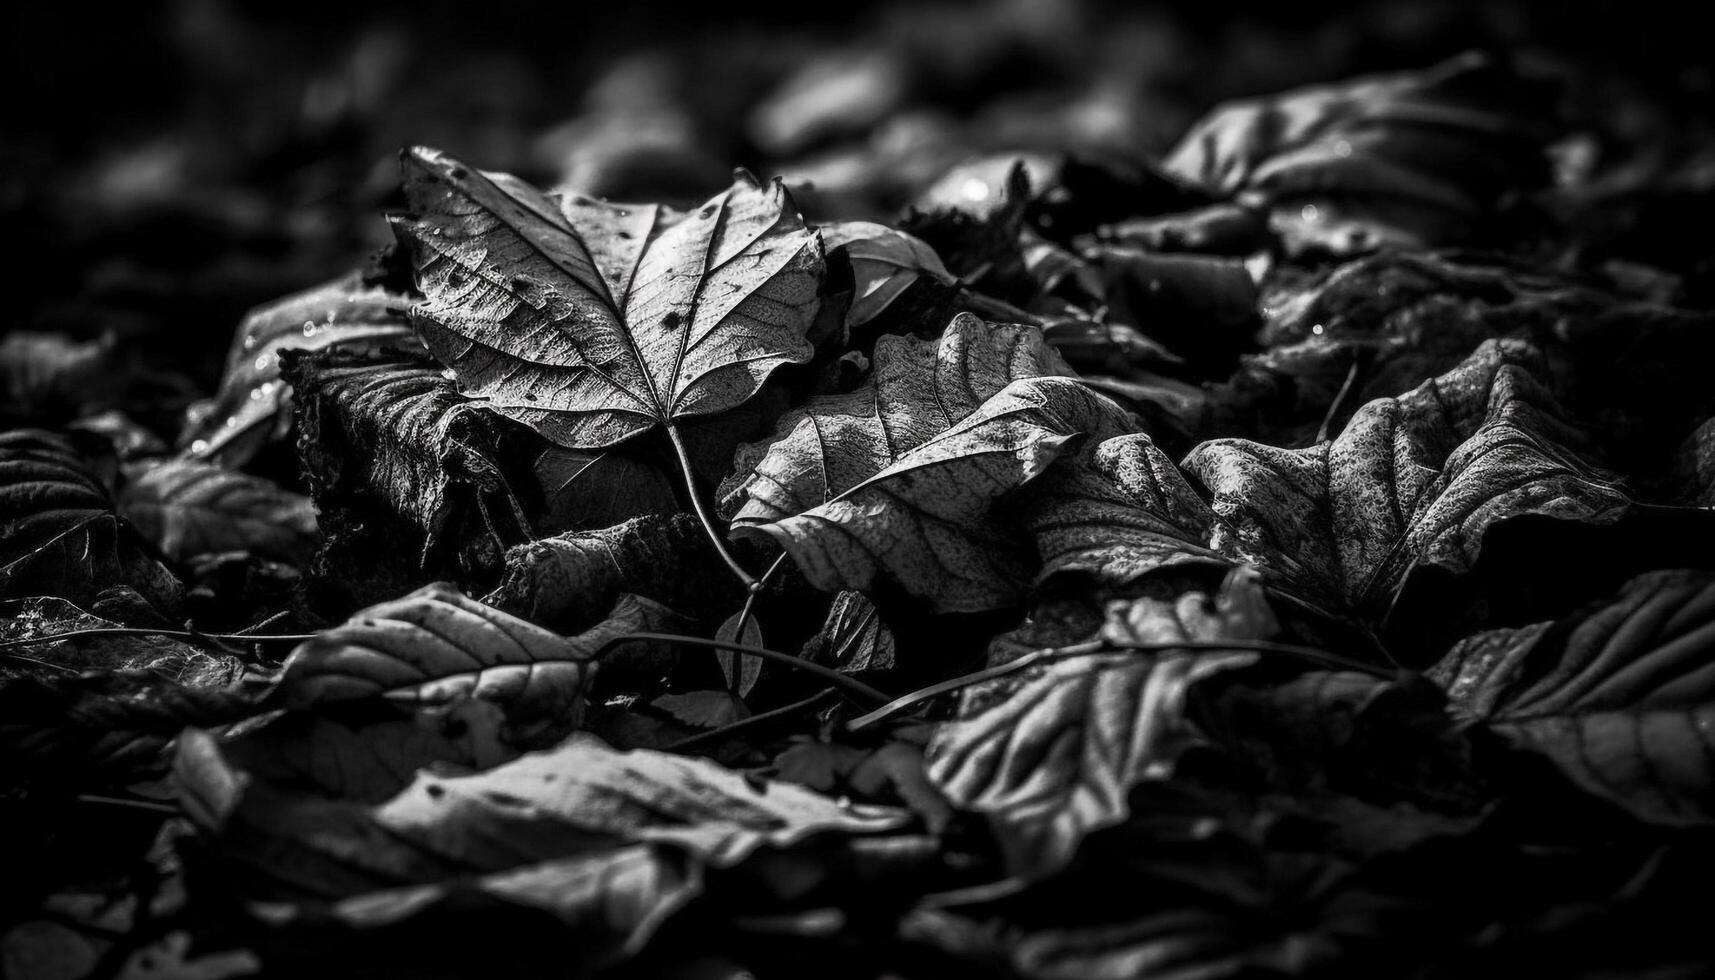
(671, 320)
(436, 791)
(459, 173)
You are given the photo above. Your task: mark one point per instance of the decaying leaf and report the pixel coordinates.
(919, 389)
(1621, 697)
(58, 529)
(1057, 758)
(188, 509)
(925, 523)
(569, 581)
(853, 638)
(594, 322)
(398, 434)
(254, 405)
(1413, 480)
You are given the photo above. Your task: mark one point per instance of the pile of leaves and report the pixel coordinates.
(1291, 555)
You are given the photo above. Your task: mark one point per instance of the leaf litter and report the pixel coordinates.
(1284, 554)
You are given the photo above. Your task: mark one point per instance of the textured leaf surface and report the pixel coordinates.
(190, 508)
(919, 388)
(254, 404)
(926, 523)
(400, 434)
(437, 644)
(1621, 697)
(595, 322)
(1057, 758)
(58, 529)
(1414, 480)
(1117, 510)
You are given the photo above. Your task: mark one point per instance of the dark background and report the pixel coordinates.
(166, 165)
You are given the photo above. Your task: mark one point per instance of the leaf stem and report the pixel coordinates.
(1096, 648)
(702, 508)
(192, 635)
(753, 721)
(849, 685)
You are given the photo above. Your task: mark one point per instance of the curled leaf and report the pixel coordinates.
(254, 405)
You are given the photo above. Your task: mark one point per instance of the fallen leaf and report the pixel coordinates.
(854, 638)
(1411, 481)
(1410, 159)
(611, 842)
(924, 524)
(398, 434)
(740, 673)
(254, 405)
(703, 709)
(1115, 511)
(1620, 697)
(1056, 759)
(594, 322)
(885, 263)
(189, 508)
(570, 580)
(59, 532)
(918, 389)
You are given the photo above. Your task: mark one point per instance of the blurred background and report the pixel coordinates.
(167, 164)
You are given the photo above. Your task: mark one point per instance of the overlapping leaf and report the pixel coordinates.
(885, 263)
(1058, 757)
(399, 434)
(610, 842)
(254, 405)
(595, 322)
(919, 389)
(1621, 697)
(189, 508)
(1407, 159)
(58, 529)
(926, 524)
(1413, 480)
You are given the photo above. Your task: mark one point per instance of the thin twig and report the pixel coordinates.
(39, 663)
(149, 805)
(1339, 399)
(702, 508)
(1096, 648)
(849, 685)
(752, 722)
(191, 635)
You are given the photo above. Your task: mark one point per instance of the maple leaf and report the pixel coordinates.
(595, 322)
(1621, 697)
(1413, 480)
(918, 389)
